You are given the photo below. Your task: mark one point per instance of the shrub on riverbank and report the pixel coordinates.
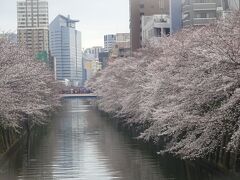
(185, 88)
(28, 91)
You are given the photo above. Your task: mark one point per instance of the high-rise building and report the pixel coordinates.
(109, 42)
(139, 8)
(66, 47)
(32, 25)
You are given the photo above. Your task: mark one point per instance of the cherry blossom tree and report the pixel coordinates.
(183, 89)
(27, 87)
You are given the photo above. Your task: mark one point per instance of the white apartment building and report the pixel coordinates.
(32, 25)
(155, 26)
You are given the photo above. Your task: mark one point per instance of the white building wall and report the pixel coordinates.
(155, 26)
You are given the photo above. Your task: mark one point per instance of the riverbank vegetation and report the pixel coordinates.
(183, 89)
(28, 92)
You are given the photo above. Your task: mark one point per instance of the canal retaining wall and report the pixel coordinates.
(11, 138)
(221, 160)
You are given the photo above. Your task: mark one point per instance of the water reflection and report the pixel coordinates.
(81, 144)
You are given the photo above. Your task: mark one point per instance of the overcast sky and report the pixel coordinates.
(97, 17)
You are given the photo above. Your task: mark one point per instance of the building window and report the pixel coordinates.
(158, 32)
(166, 31)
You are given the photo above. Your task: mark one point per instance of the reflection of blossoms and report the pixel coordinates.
(27, 87)
(183, 89)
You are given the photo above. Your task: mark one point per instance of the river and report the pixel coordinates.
(82, 144)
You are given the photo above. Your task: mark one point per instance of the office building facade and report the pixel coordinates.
(66, 48)
(32, 26)
(201, 12)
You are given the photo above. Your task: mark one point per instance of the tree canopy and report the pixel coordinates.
(28, 90)
(185, 88)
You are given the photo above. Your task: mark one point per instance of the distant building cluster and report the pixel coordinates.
(60, 43)
(96, 58)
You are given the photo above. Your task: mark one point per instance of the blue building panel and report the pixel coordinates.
(176, 15)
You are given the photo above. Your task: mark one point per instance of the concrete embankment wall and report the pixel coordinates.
(10, 139)
(221, 160)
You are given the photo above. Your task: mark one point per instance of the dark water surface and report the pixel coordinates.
(81, 144)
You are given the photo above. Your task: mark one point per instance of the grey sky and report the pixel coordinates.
(97, 17)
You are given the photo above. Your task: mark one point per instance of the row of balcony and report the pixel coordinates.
(198, 21)
(200, 6)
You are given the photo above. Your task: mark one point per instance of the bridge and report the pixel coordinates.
(91, 95)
